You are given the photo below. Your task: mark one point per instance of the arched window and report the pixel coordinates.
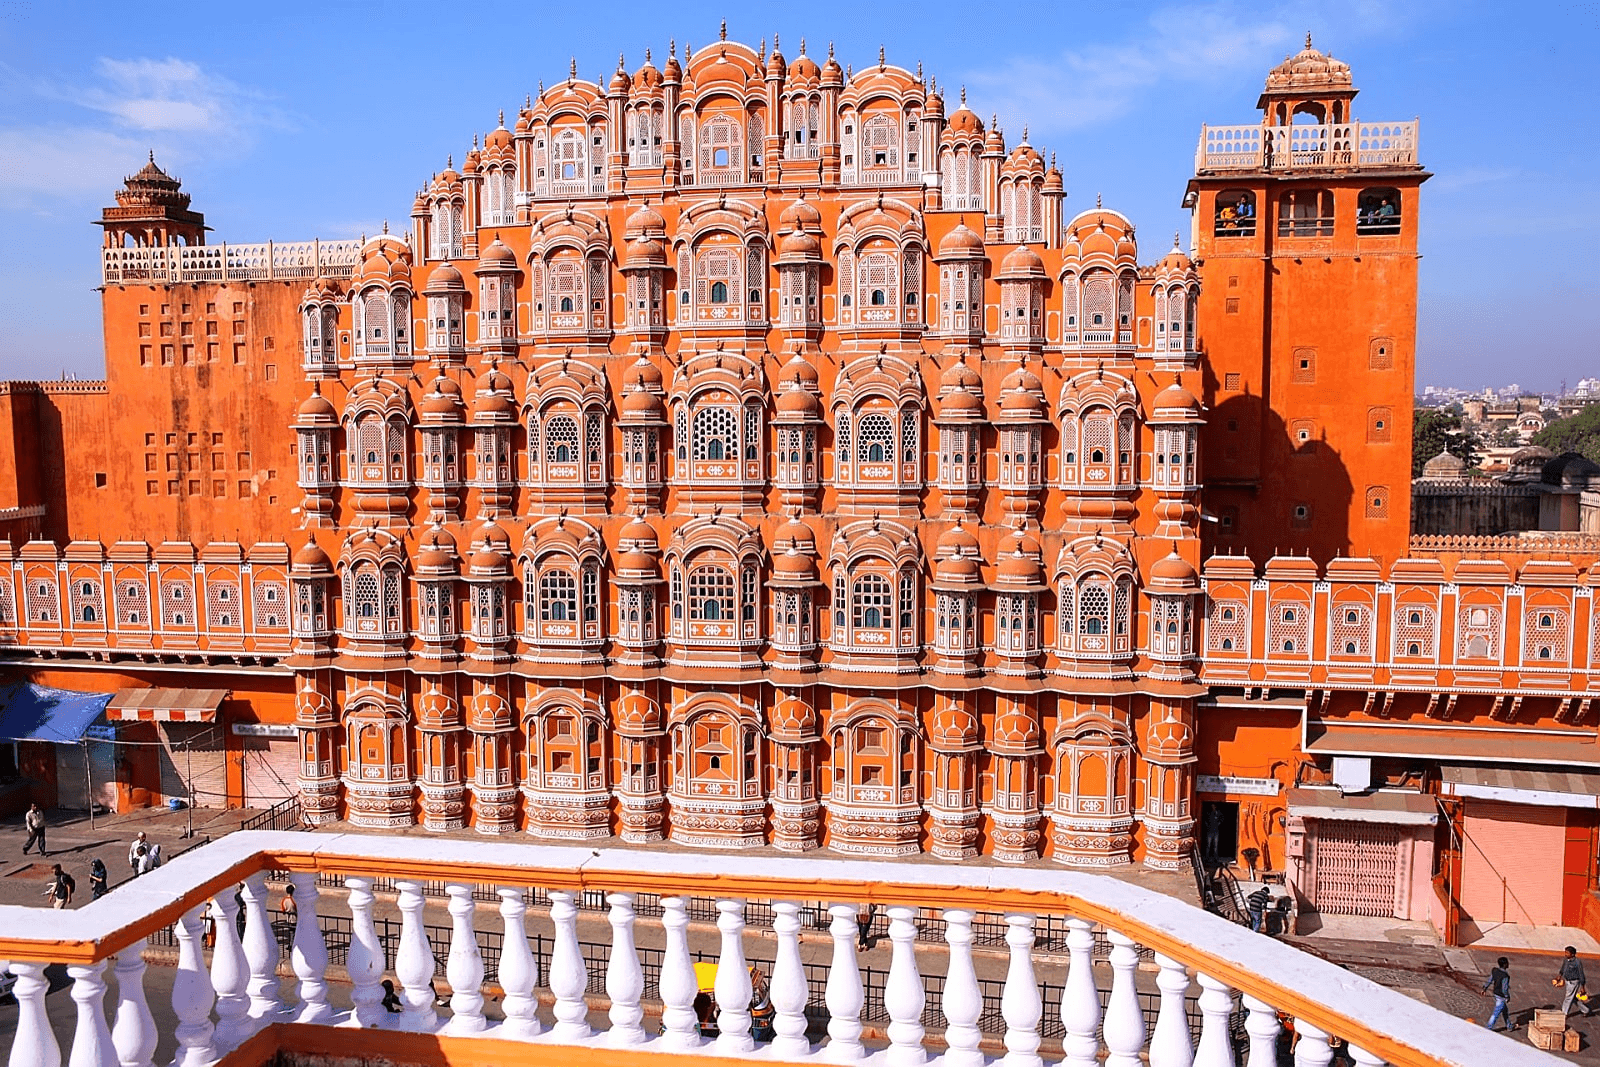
(558, 596)
(711, 590)
(715, 433)
(1235, 213)
(870, 602)
(875, 438)
(719, 292)
(561, 439)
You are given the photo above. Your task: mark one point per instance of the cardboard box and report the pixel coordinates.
(1547, 1039)
(1550, 1018)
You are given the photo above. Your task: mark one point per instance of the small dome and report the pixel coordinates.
(800, 213)
(957, 540)
(961, 241)
(961, 570)
(1021, 402)
(1444, 465)
(498, 256)
(647, 77)
(793, 562)
(1306, 69)
(1173, 572)
(643, 374)
(960, 400)
(796, 401)
(645, 220)
(641, 403)
(646, 252)
(804, 68)
(799, 245)
(1022, 262)
(1016, 567)
(620, 82)
(321, 291)
(437, 551)
(798, 371)
(491, 553)
(316, 406)
(961, 376)
(444, 279)
(311, 557)
(1175, 396)
(964, 121)
(498, 138)
(443, 399)
(494, 398)
(1175, 260)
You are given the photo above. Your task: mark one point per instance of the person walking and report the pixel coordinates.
(136, 852)
(61, 888)
(99, 880)
(1498, 985)
(1571, 975)
(34, 821)
(1256, 904)
(864, 926)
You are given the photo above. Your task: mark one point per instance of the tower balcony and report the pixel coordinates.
(1345, 145)
(1217, 993)
(194, 264)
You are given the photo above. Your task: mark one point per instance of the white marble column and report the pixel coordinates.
(91, 1039)
(134, 1032)
(261, 953)
(1312, 1048)
(1080, 1001)
(1124, 1024)
(309, 953)
(365, 962)
(569, 977)
(464, 967)
(1170, 1045)
(519, 971)
(229, 974)
(903, 994)
(413, 962)
(962, 1000)
(733, 981)
(1216, 1006)
(192, 996)
(624, 978)
(1020, 1005)
(788, 987)
(1262, 1025)
(677, 984)
(844, 995)
(34, 1043)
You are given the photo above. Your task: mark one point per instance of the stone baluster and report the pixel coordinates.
(192, 996)
(1216, 1005)
(134, 1032)
(1262, 1025)
(1170, 1045)
(844, 996)
(1020, 1005)
(569, 978)
(229, 973)
(413, 962)
(309, 954)
(1124, 1025)
(519, 971)
(788, 986)
(34, 1043)
(733, 981)
(903, 994)
(1080, 1001)
(1365, 1058)
(1312, 1048)
(464, 967)
(677, 984)
(261, 953)
(91, 1039)
(962, 1000)
(365, 961)
(624, 978)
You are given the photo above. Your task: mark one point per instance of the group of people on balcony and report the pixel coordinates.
(1236, 218)
(1378, 214)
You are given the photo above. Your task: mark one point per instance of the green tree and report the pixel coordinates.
(1578, 433)
(1438, 430)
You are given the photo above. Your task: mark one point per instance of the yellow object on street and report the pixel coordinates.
(705, 977)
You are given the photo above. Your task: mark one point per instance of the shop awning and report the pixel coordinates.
(1412, 809)
(30, 712)
(166, 705)
(1521, 785)
(1450, 743)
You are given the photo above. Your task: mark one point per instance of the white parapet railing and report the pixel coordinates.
(234, 1006)
(191, 264)
(1346, 144)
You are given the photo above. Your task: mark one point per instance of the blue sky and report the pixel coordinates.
(289, 121)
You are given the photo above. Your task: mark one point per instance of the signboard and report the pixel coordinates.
(262, 729)
(1221, 783)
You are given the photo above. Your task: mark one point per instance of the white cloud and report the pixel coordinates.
(162, 94)
(41, 164)
(1086, 87)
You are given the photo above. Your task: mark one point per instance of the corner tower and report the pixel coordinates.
(152, 211)
(1305, 231)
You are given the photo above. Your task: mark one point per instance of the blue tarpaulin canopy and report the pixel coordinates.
(30, 712)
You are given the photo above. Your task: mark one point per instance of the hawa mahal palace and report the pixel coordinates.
(754, 451)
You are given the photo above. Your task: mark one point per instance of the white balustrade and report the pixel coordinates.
(134, 1032)
(788, 990)
(1261, 1023)
(91, 1040)
(1170, 1045)
(192, 996)
(1311, 1048)
(677, 984)
(1216, 1005)
(844, 995)
(569, 978)
(732, 987)
(624, 978)
(903, 993)
(1080, 1000)
(1365, 1058)
(309, 954)
(464, 967)
(34, 1043)
(963, 1000)
(365, 960)
(229, 973)
(413, 962)
(1124, 1023)
(1020, 1005)
(519, 971)
(260, 953)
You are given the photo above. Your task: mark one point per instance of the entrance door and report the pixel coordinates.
(1355, 864)
(1219, 832)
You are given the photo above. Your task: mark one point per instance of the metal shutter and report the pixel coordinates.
(192, 754)
(1511, 862)
(1356, 864)
(271, 770)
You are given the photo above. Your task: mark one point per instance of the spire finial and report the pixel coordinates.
(1024, 133)
(919, 70)
(880, 57)
(622, 63)
(527, 98)
(152, 155)
(1177, 237)
(963, 96)
(1097, 200)
(802, 46)
(830, 51)
(502, 118)
(385, 225)
(450, 161)
(722, 34)
(672, 47)
(647, 55)
(774, 43)
(1308, 38)
(572, 68)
